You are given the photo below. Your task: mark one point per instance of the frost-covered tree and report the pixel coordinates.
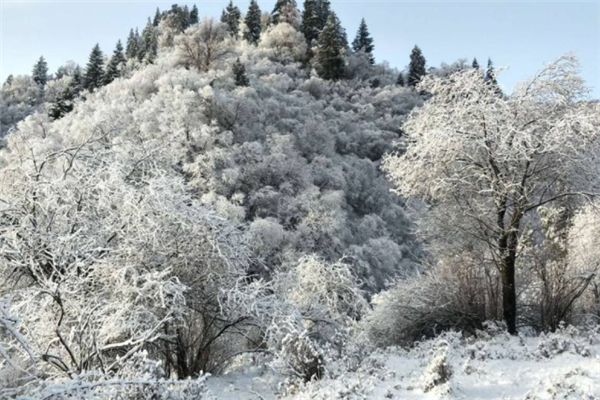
(554, 281)
(108, 243)
(307, 314)
(203, 45)
(363, 41)
(253, 23)
(21, 98)
(584, 260)
(174, 22)
(116, 64)
(279, 7)
(40, 72)
(231, 17)
(486, 164)
(94, 70)
(65, 70)
(416, 67)
(475, 64)
(283, 43)
(331, 50)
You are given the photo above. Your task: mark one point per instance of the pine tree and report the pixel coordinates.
(94, 72)
(77, 80)
(113, 70)
(231, 16)
(133, 45)
(186, 17)
(63, 104)
(239, 74)
(490, 76)
(179, 18)
(40, 72)
(157, 17)
(416, 68)
(475, 64)
(311, 21)
(8, 81)
(148, 44)
(252, 22)
(194, 15)
(329, 57)
(324, 8)
(276, 13)
(364, 41)
(400, 80)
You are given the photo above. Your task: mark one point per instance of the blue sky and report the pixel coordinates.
(520, 35)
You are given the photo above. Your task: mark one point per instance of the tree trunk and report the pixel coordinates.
(509, 243)
(509, 293)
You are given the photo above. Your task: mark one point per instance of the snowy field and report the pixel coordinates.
(563, 365)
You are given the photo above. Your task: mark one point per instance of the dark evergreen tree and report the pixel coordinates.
(133, 45)
(8, 81)
(40, 72)
(475, 64)
(490, 76)
(416, 67)
(330, 54)
(194, 15)
(148, 44)
(400, 80)
(94, 72)
(324, 8)
(77, 82)
(363, 41)
(186, 17)
(157, 17)
(113, 70)
(252, 22)
(276, 13)
(231, 17)
(63, 104)
(179, 18)
(239, 74)
(311, 23)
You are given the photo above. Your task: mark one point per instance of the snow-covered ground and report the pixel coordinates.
(563, 365)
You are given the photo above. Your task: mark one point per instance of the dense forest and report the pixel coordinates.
(257, 193)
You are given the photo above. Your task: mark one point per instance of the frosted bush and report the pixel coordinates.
(94, 387)
(438, 371)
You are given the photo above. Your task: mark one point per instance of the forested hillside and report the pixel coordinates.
(221, 194)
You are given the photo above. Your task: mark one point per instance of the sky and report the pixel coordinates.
(520, 36)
